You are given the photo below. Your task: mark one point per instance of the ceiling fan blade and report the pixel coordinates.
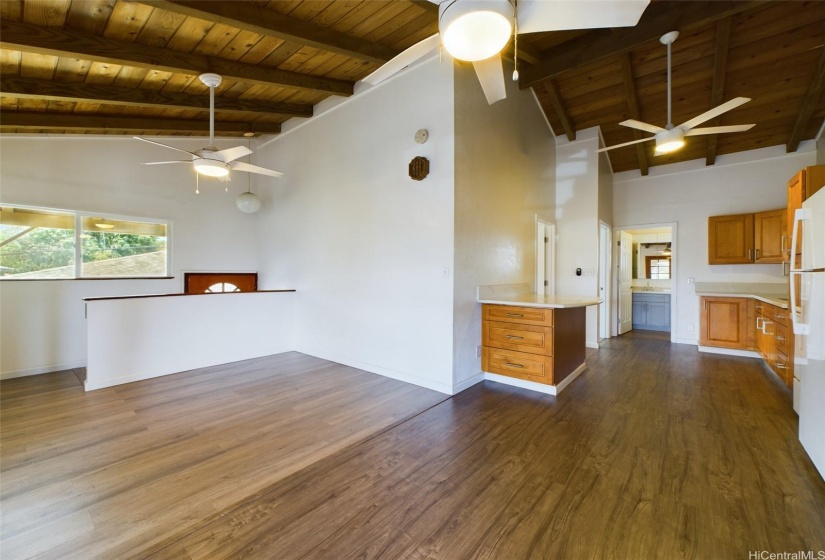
(626, 144)
(164, 162)
(639, 125)
(719, 129)
(706, 116)
(241, 166)
(231, 154)
(557, 15)
(490, 73)
(164, 145)
(418, 50)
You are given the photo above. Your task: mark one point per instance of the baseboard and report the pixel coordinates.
(467, 383)
(594, 345)
(43, 369)
(570, 378)
(372, 368)
(95, 384)
(513, 382)
(729, 352)
(680, 340)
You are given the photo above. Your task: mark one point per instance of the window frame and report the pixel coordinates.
(650, 258)
(79, 215)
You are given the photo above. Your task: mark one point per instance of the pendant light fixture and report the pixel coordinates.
(247, 202)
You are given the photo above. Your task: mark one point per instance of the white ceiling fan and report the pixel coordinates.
(671, 138)
(210, 161)
(477, 30)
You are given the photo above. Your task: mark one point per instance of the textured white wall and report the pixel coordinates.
(688, 194)
(504, 175)
(577, 220)
(369, 250)
(42, 327)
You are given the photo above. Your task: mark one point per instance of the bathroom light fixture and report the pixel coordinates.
(474, 31)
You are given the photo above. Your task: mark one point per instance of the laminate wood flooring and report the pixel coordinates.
(656, 451)
(108, 473)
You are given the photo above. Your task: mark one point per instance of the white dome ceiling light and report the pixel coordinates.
(248, 203)
(478, 30)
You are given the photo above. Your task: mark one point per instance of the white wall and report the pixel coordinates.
(577, 221)
(42, 327)
(688, 194)
(140, 338)
(369, 250)
(504, 176)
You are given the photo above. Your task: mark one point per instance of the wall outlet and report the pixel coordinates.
(690, 280)
(478, 351)
(690, 327)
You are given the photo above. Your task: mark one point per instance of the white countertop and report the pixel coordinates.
(537, 300)
(775, 294)
(641, 290)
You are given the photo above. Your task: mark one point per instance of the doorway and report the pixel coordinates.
(604, 280)
(646, 279)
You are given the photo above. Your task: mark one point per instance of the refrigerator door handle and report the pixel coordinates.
(799, 215)
(797, 319)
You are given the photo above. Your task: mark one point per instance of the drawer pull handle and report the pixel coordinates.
(780, 316)
(515, 315)
(513, 337)
(514, 365)
(780, 338)
(780, 365)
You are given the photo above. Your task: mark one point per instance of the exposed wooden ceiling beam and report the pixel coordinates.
(658, 19)
(14, 86)
(426, 5)
(60, 42)
(808, 106)
(253, 17)
(75, 121)
(633, 110)
(720, 68)
(558, 105)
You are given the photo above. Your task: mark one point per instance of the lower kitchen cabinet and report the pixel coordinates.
(723, 322)
(651, 311)
(534, 344)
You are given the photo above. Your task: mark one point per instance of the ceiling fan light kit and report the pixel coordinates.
(211, 167)
(473, 31)
(669, 140)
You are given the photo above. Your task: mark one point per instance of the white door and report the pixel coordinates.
(625, 281)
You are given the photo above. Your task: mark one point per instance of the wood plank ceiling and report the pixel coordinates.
(131, 67)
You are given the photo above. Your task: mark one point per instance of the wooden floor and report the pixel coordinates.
(657, 451)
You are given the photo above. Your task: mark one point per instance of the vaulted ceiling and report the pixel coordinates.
(124, 67)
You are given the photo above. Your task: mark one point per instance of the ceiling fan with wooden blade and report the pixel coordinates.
(477, 30)
(210, 161)
(671, 138)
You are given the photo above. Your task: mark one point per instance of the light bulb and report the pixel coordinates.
(476, 30)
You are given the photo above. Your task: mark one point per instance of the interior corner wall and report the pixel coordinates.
(577, 222)
(42, 324)
(368, 249)
(689, 194)
(504, 176)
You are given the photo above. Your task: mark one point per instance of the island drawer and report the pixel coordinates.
(521, 338)
(521, 365)
(514, 314)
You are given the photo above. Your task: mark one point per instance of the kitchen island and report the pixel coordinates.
(530, 340)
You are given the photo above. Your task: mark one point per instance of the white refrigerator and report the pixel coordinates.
(807, 304)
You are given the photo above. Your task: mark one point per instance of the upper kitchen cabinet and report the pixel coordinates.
(747, 238)
(730, 239)
(800, 188)
(769, 236)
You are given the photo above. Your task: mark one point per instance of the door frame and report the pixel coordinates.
(675, 278)
(545, 228)
(605, 267)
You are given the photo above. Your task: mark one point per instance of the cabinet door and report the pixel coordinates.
(658, 315)
(769, 229)
(639, 313)
(723, 322)
(730, 239)
(796, 194)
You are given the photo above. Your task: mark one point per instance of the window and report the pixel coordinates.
(219, 282)
(37, 244)
(658, 267)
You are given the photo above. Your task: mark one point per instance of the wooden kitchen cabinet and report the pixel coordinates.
(774, 340)
(730, 239)
(800, 187)
(723, 322)
(769, 236)
(747, 238)
(534, 344)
